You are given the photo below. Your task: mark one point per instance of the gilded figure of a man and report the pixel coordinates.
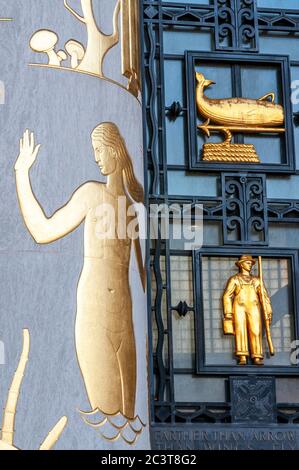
(245, 303)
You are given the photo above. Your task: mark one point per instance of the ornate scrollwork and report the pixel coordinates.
(236, 25)
(244, 218)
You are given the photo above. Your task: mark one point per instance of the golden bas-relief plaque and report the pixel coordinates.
(9, 413)
(241, 115)
(247, 307)
(89, 58)
(104, 331)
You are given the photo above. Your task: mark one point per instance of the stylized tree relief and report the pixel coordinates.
(90, 59)
(105, 339)
(9, 413)
(98, 43)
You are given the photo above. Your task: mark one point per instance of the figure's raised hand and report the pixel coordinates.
(28, 152)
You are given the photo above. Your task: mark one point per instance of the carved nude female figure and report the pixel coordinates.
(105, 340)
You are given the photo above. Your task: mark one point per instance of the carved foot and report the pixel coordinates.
(257, 361)
(242, 360)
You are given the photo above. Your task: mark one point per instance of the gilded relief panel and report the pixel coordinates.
(88, 330)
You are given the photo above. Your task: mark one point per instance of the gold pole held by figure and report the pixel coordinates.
(267, 320)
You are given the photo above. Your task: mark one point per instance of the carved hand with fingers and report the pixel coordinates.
(28, 152)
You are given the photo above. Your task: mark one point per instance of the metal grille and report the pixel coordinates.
(174, 339)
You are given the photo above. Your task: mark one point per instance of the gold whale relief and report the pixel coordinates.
(104, 331)
(89, 60)
(9, 413)
(229, 115)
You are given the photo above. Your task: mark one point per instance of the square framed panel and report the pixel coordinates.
(257, 77)
(253, 400)
(214, 350)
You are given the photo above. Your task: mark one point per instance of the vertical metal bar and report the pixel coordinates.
(237, 91)
(143, 26)
(152, 145)
(245, 216)
(161, 379)
(164, 190)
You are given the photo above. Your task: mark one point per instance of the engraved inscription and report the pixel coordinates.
(236, 438)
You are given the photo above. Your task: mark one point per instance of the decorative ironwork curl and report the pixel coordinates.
(236, 23)
(244, 217)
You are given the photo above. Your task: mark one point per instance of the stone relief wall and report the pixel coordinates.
(39, 275)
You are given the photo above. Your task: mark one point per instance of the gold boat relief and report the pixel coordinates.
(230, 115)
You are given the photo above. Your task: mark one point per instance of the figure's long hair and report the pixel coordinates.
(108, 134)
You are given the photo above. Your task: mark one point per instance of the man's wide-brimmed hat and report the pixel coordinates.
(244, 258)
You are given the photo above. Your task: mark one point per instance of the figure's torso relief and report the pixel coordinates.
(106, 237)
(246, 291)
